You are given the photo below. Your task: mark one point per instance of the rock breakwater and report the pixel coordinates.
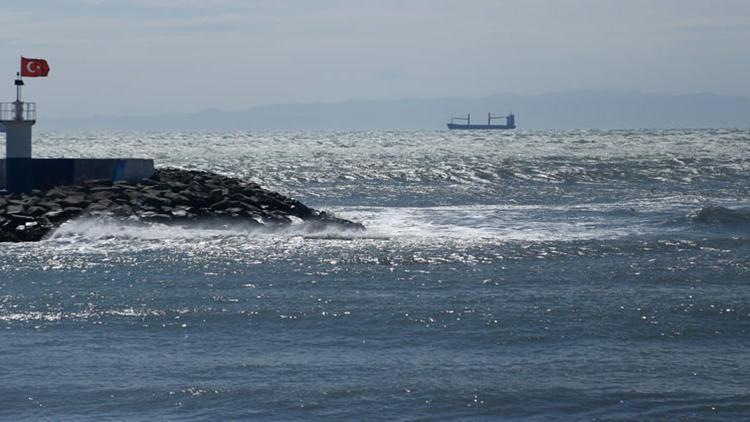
(171, 196)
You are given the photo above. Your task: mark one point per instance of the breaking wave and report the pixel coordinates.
(111, 228)
(437, 224)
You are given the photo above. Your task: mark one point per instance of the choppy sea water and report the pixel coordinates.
(542, 275)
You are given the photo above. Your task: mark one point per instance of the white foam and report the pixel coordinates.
(491, 222)
(469, 223)
(106, 230)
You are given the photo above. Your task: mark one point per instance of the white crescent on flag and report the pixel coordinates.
(32, 66)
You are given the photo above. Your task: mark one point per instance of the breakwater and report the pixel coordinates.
(169, 196)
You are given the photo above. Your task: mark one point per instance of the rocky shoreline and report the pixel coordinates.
(171, 196)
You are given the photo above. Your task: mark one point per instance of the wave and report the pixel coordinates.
(111, 228)
(499, 223)
(470, 224)
(721, 216)
(89, 313)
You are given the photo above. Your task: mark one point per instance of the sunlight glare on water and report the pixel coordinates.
(544, 274)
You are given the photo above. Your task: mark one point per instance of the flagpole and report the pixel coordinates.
(19, 83)
(18, 78)
(19, 104)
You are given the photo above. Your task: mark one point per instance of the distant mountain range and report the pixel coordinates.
(565, 110)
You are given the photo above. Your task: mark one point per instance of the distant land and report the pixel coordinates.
(565, 110)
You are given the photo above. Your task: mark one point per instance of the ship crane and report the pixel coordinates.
(490, 117)
(467, 119)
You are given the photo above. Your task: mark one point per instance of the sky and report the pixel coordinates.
(140, 57)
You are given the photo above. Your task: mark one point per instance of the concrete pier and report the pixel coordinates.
(46, 173)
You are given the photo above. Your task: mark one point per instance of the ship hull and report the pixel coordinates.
(455, 126)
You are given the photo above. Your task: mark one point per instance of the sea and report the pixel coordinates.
(510, 275)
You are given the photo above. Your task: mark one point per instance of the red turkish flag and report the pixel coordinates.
(34, 67)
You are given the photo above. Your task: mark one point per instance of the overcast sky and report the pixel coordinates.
(155, 56)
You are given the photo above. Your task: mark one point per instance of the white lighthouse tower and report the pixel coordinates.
(18, 117)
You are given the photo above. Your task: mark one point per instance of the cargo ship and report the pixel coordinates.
(510, 123)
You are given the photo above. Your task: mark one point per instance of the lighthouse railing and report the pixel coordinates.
(12, 111)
